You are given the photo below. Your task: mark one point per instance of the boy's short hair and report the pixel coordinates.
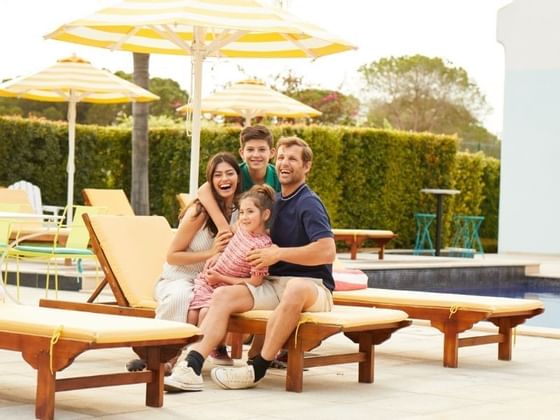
(306, 152)
(255, 132)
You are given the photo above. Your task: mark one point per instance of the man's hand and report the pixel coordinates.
(213, 277)
(264, 257)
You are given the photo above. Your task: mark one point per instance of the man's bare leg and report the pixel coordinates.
(298, 295)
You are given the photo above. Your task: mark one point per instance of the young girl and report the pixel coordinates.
(230, 267)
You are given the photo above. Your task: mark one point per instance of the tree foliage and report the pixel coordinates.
(336, 107)
(421, 93)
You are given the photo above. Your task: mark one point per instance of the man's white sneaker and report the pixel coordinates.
(234, 377)
(183, 378)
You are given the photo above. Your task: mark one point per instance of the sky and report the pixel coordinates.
(463, 32)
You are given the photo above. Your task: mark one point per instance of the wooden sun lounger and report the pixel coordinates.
(50, 340)
(131, 251)
(452, 314)
(366, 328)
(354, 238)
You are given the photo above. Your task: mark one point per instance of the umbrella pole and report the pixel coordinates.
(198, 59)
(70, 167)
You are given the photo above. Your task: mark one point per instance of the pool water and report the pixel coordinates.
(544, 289)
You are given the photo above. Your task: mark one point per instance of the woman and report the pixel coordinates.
(197, 239)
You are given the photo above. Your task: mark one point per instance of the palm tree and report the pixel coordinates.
(140, 195)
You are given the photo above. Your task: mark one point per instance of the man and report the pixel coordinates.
(300, 277)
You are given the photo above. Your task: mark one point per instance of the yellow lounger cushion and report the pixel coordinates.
(136, 264)
(495, 305)
(115, 201)
(371, 233)
(343, 316)
(87, 326)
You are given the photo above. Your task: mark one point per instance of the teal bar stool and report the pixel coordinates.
(423, 223)
(466, 240)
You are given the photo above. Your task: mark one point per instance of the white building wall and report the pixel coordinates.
(530, 159)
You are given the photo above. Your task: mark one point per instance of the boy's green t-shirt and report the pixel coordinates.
(270, 177)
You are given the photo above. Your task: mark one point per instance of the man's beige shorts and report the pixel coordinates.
(268, 294)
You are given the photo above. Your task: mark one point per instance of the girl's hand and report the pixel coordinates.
(221, 240)
(211, 261)
(213, 277)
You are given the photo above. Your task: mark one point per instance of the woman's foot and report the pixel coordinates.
(136, 365)
(220, 356)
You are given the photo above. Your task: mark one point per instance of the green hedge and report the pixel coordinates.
(367, 178)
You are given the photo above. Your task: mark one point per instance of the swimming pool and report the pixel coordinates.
(545, 289)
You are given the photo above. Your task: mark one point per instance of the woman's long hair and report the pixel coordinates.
(213, 163)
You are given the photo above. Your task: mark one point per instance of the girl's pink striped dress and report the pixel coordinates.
(230, 263)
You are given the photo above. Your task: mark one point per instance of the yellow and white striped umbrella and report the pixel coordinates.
(250, 99)
(74, 80)
(201, 28)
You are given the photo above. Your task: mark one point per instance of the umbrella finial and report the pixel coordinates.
(251, 82)
(73, 59)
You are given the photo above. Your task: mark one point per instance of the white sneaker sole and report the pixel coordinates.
(225, 386)
(174, 386)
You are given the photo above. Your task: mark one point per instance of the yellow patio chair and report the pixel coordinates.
(16, 197)
(5, 231)
(76, 247)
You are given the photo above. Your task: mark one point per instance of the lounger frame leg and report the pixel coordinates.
(294, 374)
(154, 388)
(366, 373)
(450, 345)
(505, 326)
(46, 386)
(236, 341)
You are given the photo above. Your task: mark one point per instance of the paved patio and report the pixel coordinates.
(410, 384)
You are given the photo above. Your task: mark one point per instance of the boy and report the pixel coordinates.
(256, 150)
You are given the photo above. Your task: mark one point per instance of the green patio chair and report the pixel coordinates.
(76, 248)
(466, 240)
(423, 238)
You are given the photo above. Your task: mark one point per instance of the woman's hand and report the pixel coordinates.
(221, 240)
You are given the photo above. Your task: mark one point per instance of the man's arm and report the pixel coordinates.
(321, 251)
(207, 199)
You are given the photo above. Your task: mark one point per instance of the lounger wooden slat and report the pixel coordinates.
(51, 339)
(452, 314)
(354, 238)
